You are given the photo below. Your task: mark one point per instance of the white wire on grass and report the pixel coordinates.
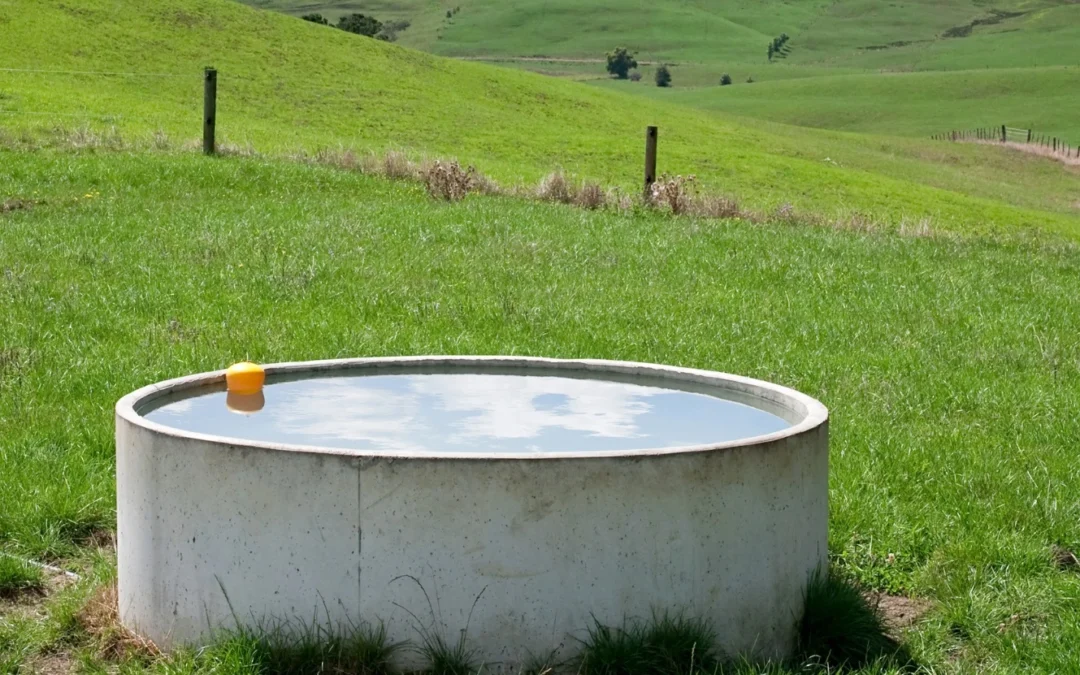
(43, 566)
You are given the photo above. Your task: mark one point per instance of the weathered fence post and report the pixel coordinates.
(209, 111)
(1029, 136)
(651, 134)
(1004, 135)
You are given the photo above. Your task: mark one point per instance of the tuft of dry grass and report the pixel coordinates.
(555, 187)
(675, 192)
(717, 207)
(448, 181)
(160, 141)
(229, 149)
(920, 228)
(100, 618)
(591, 197)
(342, 158)
(85, 138)
(397, 166)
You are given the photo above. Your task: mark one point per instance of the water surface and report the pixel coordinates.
(467, 412)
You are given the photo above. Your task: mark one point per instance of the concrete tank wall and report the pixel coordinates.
(524, 550)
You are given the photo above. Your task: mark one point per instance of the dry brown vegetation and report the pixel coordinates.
(100, 618)
(445, 179)
(448, 181)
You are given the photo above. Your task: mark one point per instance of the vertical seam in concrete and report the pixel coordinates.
(359, 543)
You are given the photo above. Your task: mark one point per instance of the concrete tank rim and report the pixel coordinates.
(814, 413)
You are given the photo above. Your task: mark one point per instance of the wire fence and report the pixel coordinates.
(1012, 135)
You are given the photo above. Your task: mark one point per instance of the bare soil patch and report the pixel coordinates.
(899, 612)
(17, 204)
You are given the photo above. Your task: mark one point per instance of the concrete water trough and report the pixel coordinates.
(517, 498)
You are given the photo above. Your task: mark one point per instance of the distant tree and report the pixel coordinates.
(772, 50)
(750, 80)
(316, 18)
(620, 62)
(725, 80)
(390, 30)
(360, 24)
(449, 14)
(663, 77)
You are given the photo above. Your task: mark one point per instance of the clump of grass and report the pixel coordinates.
(591, 197)
(448, 181)
(917, 228)
(841, 629)
(446, 658)
(87, 138)
(160, 141)
(341, 158)
(540, 664)
(363, 650)
(555, 187)
(18, 576)
(397, 166)
(229, 149)
(284, 650)
(717, 207)
(675, 192)
(663, 645)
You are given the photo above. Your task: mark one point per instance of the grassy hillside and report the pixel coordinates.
(286, 85)
(951, 367)
(704, 31)
(861, 38)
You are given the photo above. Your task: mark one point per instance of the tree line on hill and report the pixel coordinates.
(621, 61)
(361, 24)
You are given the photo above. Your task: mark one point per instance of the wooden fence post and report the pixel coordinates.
(1029, 136)
(651, 134)
(1004, 136)
(209, 110)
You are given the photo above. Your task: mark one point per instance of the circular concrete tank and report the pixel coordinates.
(521, 513)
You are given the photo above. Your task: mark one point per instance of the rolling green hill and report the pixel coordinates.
(288, 85)
(981, 45)
(704, 31)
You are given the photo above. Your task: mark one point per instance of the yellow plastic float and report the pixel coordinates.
(245, 378)
(244, 382)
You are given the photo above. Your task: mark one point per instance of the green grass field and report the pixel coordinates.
(287, 85)
(950, 366)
